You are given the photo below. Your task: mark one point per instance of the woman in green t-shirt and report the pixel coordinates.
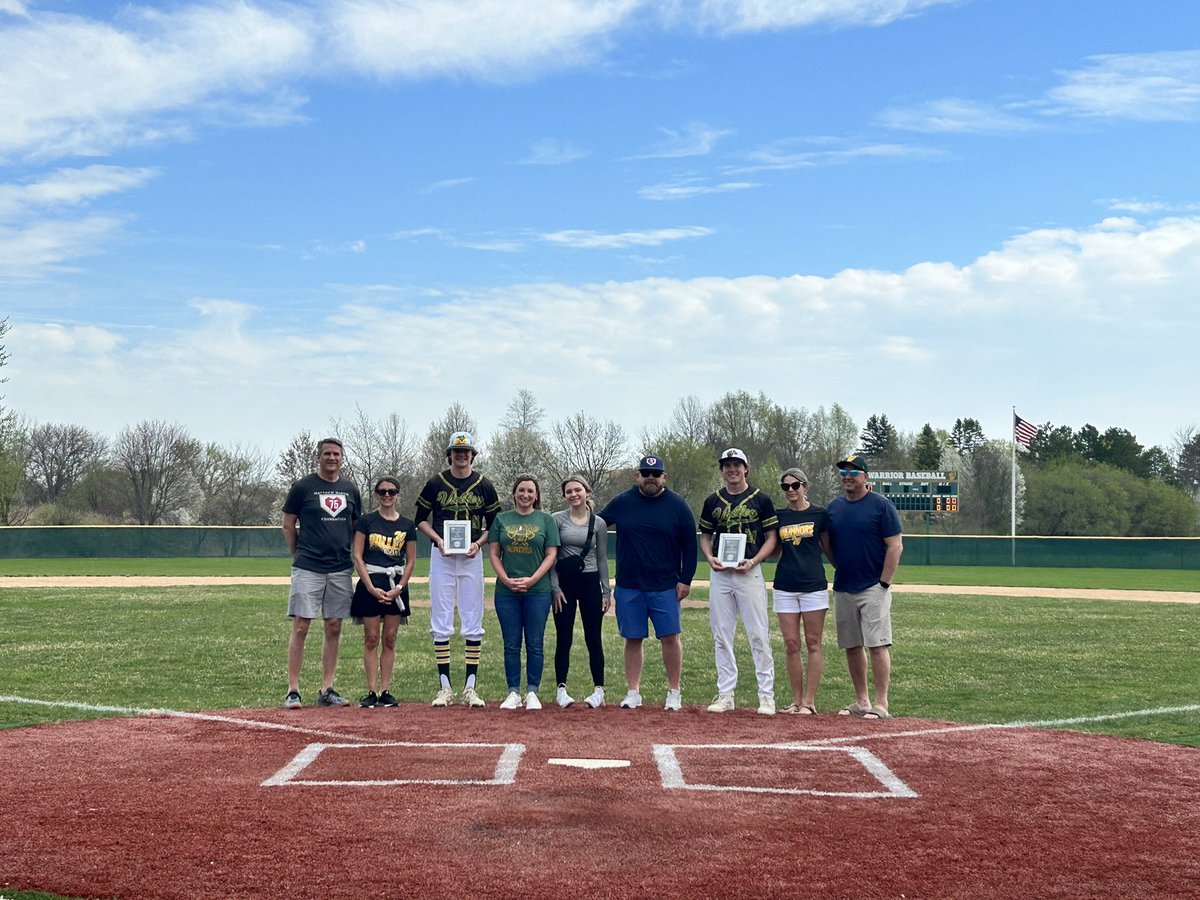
(523, 543)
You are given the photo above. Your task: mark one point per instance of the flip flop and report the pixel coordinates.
(853, 710)
(807, 711)
(792, 709)
(876, 712)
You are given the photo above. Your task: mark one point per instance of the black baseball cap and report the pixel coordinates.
(853, 461)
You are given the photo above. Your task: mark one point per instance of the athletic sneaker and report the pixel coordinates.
(595, 698)
(532, 701)
(445, 697)
(722, 703)
(632, 700)
(562, 698)
(386, 699)
(766, 704)
(292, 700)
(512, 701)
(472, 699)
(674, 701)
(369, 701)
(330, 697)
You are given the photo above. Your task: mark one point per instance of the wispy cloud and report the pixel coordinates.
(686, 188)
(445, 183)
(793, 154)
(952, 114)
(69, 187)
(1149, 87)
(728, 16)
(694, 139)
(553, 152)
(595, 240)
(1147, 207)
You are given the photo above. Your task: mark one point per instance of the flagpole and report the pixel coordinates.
(1013, 492)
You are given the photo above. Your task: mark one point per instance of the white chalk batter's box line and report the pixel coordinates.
(671, 771)
(506, 766)
(669, 768)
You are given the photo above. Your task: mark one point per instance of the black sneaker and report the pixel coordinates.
(386, 699)
(368, 701)
(330, 697)
(292, 700)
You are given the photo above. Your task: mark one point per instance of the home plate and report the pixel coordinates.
(590, 763)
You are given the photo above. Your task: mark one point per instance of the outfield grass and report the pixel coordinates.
(1004, 576)
(962, 658)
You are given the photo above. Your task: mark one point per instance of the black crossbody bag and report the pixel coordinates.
(573, 565)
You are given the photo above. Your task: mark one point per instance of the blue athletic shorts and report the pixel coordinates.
(635, 607)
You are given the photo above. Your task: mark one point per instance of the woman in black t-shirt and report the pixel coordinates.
(801, 589)
(385, 548)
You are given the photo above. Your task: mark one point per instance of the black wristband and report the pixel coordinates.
(885, 584)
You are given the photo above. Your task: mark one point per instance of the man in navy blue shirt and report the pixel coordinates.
(864, 541)
(656, 561)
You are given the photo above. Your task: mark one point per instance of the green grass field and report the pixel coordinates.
(1125, 579)
(957, 657)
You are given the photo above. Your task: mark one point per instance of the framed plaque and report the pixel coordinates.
(732, 549)
(456, 536)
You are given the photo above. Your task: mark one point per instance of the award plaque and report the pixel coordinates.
(456, 536)
(732, 549)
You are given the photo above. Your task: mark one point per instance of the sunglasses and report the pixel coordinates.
(848, 472)
(650, 473)
(791, 485)
(387, 492)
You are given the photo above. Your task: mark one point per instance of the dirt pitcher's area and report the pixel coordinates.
(221, 581)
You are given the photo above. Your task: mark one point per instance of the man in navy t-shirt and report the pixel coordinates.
(864, 541)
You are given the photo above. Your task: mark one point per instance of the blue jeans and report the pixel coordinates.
(523, 615)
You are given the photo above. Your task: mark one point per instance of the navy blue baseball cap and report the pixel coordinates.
(651, 464)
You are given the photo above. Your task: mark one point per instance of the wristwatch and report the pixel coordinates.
(885, 584)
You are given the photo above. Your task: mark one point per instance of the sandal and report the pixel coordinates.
(807, 711)
(853, 709)
(792, 709)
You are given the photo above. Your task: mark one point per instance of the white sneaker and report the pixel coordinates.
(722, 703)
(766, 704)
(632, 700)
(562, 698)
(532, 701)
(445, 697)
(674, 701)
(472, 699)
(512, 701)
(595, 698)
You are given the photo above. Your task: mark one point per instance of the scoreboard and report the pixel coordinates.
(918, 491)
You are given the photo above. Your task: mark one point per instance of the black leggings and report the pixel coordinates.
(582, 591)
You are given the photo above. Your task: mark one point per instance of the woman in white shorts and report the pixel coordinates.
(801, 590)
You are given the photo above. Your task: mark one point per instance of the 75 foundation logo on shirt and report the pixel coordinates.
(334, 504)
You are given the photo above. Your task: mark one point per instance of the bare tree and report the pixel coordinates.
(297, 460)
(376, 447)
(157, 460)
(59, 456)
(235, 483)
(519, 446)
(595, 448)
(432, 453)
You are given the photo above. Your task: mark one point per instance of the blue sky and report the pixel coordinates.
(250, 216)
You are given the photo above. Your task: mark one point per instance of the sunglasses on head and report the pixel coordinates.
(791, 485)
(386, 492)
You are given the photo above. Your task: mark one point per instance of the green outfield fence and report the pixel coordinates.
(86, 541)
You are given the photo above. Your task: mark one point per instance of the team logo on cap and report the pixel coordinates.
(652, 460)
(461, 441)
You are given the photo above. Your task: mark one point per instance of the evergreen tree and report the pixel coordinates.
(927, 453)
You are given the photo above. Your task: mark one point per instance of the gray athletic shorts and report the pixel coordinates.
(864, 619)
(320, 595)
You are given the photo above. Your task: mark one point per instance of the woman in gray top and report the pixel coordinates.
(580, 580)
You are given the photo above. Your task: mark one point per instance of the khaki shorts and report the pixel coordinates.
(864, 619)
(320, 595)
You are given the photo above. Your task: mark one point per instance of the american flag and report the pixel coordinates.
(1023, 432)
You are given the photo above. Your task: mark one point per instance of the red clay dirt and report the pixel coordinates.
(170, 807)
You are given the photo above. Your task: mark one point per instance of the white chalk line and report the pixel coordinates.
(505, 772)
(182, 714)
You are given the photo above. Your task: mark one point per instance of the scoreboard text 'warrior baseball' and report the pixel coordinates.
(918, 491)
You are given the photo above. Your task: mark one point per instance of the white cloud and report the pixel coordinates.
(595, 240)
(553, 152)
(789, 154)
(26, 249)
(69, 187)
(14, 8)
(695, 139)
(1147, 207)
(75, 86)
(955, 115)
(492, 40)
(1053, 318)
(683, 189)
(445, 183)
(761, 15)
(1163, 86)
